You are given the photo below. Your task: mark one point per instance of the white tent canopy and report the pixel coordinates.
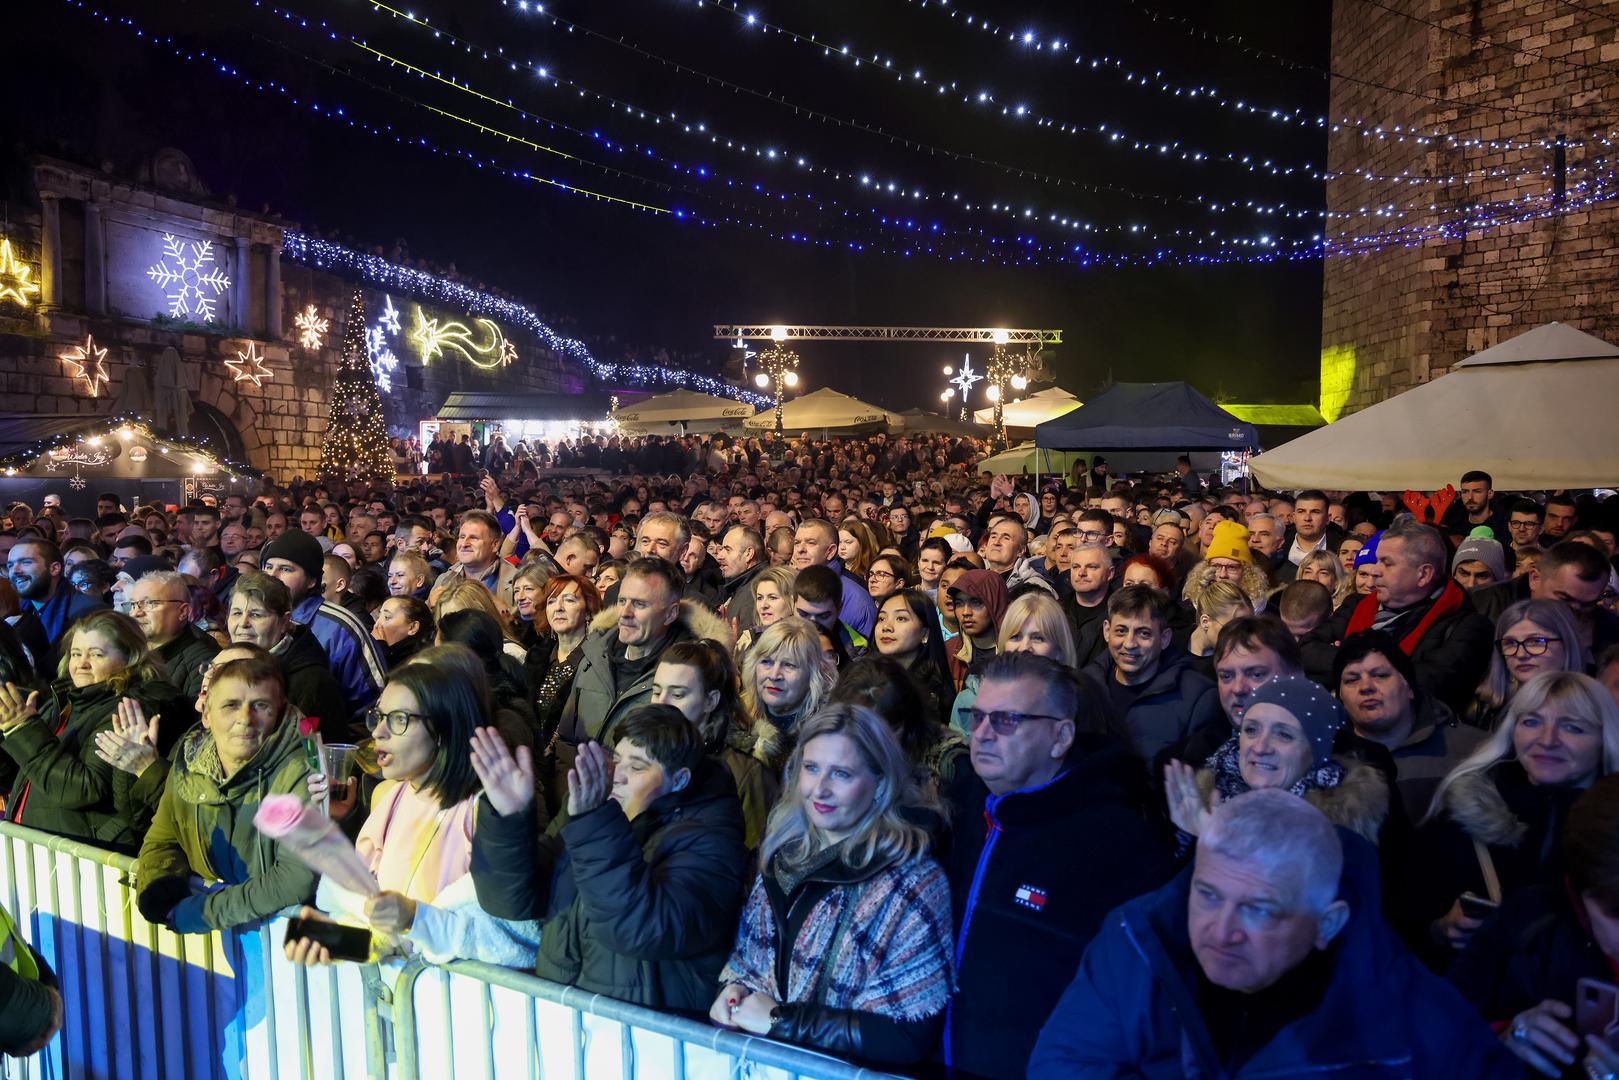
(681, 406)
(1535, 411)
(1033, 410)
(820, 410)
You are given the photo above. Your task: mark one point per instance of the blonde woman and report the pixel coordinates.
(773, 598)
(1531, 637)
(1325, 567)
(785, 677)
(409, 575)
(867, 966)
(1033, 623)
(1496, 821)
(1217, 604)
(460, 594)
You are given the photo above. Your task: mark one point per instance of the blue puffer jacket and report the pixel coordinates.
(1132, 1009)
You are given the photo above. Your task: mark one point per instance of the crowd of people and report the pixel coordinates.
(841, 743)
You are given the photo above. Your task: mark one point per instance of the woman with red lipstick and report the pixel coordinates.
(1497, 820)
(785, 677)
(844, 945)
(1531, 637)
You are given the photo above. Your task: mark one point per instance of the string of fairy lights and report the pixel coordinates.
(911, 234)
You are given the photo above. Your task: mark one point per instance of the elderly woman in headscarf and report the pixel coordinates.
(1284, 740)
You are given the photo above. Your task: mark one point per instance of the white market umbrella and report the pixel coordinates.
(681, 406)
(1033, 410)
(820, 410)
(1535, 411)
(1026, 460)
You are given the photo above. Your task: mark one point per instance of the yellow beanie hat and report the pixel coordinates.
(1230, 541)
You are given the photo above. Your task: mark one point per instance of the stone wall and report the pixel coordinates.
(1512, 73)
(92, 243)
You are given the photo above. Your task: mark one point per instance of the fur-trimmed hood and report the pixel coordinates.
(698, 620)
(1476, 805)
(765, 742)
(1359, 803)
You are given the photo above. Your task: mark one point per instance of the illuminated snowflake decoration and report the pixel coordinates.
(87, 364)
(389, 319)
(249, 365)
(382, 358)
(311, 328)
(192, 282)
(77, 483)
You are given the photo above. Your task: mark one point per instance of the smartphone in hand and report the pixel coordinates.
(351, 943)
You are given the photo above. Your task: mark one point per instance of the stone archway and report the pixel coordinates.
(233, 420)
(209, 423)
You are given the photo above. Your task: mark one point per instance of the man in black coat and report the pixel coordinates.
(1049, 837)
(1573, 572)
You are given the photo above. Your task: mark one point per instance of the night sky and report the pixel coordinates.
(92, 91)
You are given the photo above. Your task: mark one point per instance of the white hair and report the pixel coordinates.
(1292, 843)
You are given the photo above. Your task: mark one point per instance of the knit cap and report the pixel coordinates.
(1230, 541)
(1368, 554)
(1308, 702)
(1486, 549)
(298, 548)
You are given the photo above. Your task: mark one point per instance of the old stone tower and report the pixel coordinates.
(1502, 219)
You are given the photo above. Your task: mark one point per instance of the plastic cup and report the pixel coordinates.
(340, 763)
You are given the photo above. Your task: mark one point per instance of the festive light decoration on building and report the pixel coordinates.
(14, 274)
(356, 443)
(191, 281)
(377, 348)
(87, 364)
(389, 319)
(249, 365)
(431, 339)
(964, 381)
(1007, 368)
(311, 328)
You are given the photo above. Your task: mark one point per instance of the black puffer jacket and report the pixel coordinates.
(61, 786)
(183, 659)
(654, 901)
(312, 687)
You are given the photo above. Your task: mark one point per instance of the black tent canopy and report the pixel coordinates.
(1147, 416)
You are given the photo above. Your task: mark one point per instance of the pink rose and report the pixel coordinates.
(278, 815)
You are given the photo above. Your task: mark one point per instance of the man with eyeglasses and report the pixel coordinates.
(1049, 835)
(1524, 520)
(161, 602)
(1575, 573)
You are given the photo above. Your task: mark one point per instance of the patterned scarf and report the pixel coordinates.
(1229, 783)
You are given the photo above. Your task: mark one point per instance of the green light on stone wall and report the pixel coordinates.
(1337, 380)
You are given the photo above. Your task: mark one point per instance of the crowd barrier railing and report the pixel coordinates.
(144, 1003)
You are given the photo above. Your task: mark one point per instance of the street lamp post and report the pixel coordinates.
(779, 366)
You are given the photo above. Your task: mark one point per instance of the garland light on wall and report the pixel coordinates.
(14, 283)
(432, 338)
(311, 328)
(191, 282)
(87, 364)
(249, 365)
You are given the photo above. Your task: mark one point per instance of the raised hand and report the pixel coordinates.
(508, 783)
(1186, 807)
(17, 706)
(391, 913)
(589, 780)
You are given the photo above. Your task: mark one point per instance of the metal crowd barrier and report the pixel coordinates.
(143, 1003)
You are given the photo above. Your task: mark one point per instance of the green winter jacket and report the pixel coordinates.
(204, 827)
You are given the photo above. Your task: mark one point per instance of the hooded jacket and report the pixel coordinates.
(1175, 704)
(351, 651)
(1032, 873)
(655, 900)
(1133, 1009)
(61, 785)
(205, 827)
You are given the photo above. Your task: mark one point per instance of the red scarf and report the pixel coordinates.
(1450, 600)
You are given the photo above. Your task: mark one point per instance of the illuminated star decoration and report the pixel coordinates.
(966, 379)
(249, 365)
(193, 285)
(311, 328)
(431, 340)
(87, 363)
(389, 319)
(14, 283)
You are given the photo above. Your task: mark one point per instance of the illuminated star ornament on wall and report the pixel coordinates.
(87, 364)
(192, 283)
(249, 365)
(431, 339)
(14, 283)
(311, 328)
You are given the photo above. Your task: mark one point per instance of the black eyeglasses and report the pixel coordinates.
(1004, 723)
(398, 720)
(1529, 646)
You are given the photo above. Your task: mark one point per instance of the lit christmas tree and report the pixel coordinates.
(356, 439)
